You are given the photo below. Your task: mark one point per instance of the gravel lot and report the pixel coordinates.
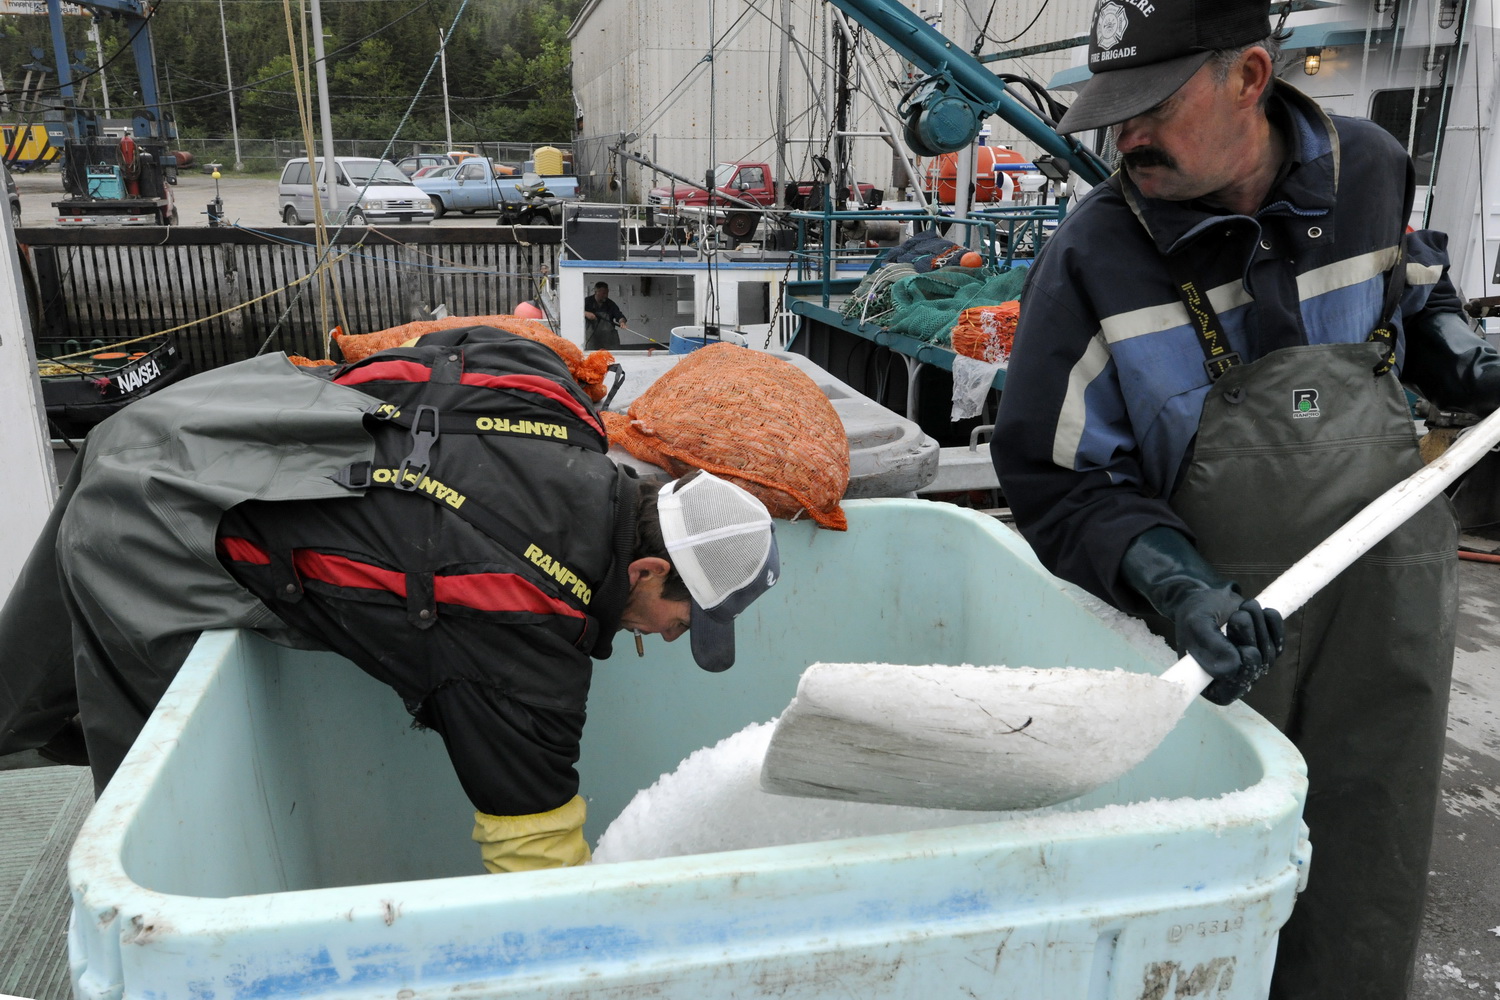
(249, 201)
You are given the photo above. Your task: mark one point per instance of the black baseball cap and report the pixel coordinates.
(1142, 51)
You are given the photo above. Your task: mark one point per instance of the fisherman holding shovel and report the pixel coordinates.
(1206, 381)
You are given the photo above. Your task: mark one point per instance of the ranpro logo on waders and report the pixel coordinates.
(1305, 403)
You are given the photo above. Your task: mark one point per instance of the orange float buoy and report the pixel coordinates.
(971, 259)
(942, 173)
(529, 310)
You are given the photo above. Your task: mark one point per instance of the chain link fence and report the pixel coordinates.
(270, 155)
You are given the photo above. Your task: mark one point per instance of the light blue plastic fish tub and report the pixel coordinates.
(280, 830)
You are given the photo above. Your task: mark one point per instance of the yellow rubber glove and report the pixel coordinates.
(528, 843)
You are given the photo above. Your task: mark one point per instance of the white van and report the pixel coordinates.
(369, 191)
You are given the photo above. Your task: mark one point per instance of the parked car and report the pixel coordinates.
(411, 166)
(475, 187)
(385, 194)
(13, 195)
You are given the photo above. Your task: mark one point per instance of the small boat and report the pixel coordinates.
(80, 389)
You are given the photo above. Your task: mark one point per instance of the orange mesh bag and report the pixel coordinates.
(588, 370)
(751, 418)
(302, 362)
(987, 332)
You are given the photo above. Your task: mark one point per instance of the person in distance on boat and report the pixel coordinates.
(443, 514)
(603, 318)
(1206, 382)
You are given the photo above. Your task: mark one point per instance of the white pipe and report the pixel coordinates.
(960, 30)
(443, 58)
(330, 165)
(103, 77)
(234, 124)
(783, 170)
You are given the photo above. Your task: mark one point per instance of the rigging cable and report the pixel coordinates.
(979, 37)
(390, 143)
(1034, 20)
(696, 68)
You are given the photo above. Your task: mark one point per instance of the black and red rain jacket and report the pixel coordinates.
(481, 569)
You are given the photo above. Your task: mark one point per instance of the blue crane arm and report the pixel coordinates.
(137, 23)
(958, 77)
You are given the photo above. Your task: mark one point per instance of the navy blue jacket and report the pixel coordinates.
(1106, 381)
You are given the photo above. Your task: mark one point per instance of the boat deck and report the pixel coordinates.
(42, 807)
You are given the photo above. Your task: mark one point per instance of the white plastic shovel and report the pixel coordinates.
(996, 738)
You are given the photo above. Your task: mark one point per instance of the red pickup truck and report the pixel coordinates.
(747, 182)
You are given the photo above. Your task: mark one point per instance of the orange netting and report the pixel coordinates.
(756, 420)
(302, 362)
(987, 332)
(587, 370)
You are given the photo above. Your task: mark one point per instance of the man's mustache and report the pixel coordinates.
(1149, 156)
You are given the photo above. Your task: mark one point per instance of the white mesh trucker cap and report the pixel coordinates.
(723, 546)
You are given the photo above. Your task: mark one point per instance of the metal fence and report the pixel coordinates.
(267, 155)
(227, 294)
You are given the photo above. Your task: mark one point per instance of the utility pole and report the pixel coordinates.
(442, 58)
(330, 166)
(94, 33)
(234, 125)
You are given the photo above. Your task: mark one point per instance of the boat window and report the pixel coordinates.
(1393, 111)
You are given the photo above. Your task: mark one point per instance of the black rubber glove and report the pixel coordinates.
(1180, 584)
(1454, 367)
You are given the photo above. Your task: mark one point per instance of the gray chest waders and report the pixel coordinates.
(1289, 447)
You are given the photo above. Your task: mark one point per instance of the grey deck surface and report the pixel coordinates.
(41, 809)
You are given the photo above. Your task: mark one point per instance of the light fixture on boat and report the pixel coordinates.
(1447, 13)
(1434, 60)
(1051, 167)
(1312, 61)
(1384, 6)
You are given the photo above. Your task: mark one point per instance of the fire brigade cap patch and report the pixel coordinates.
(1142, 51)
(722, 544)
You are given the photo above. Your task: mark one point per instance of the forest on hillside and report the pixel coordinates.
(507, 67)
